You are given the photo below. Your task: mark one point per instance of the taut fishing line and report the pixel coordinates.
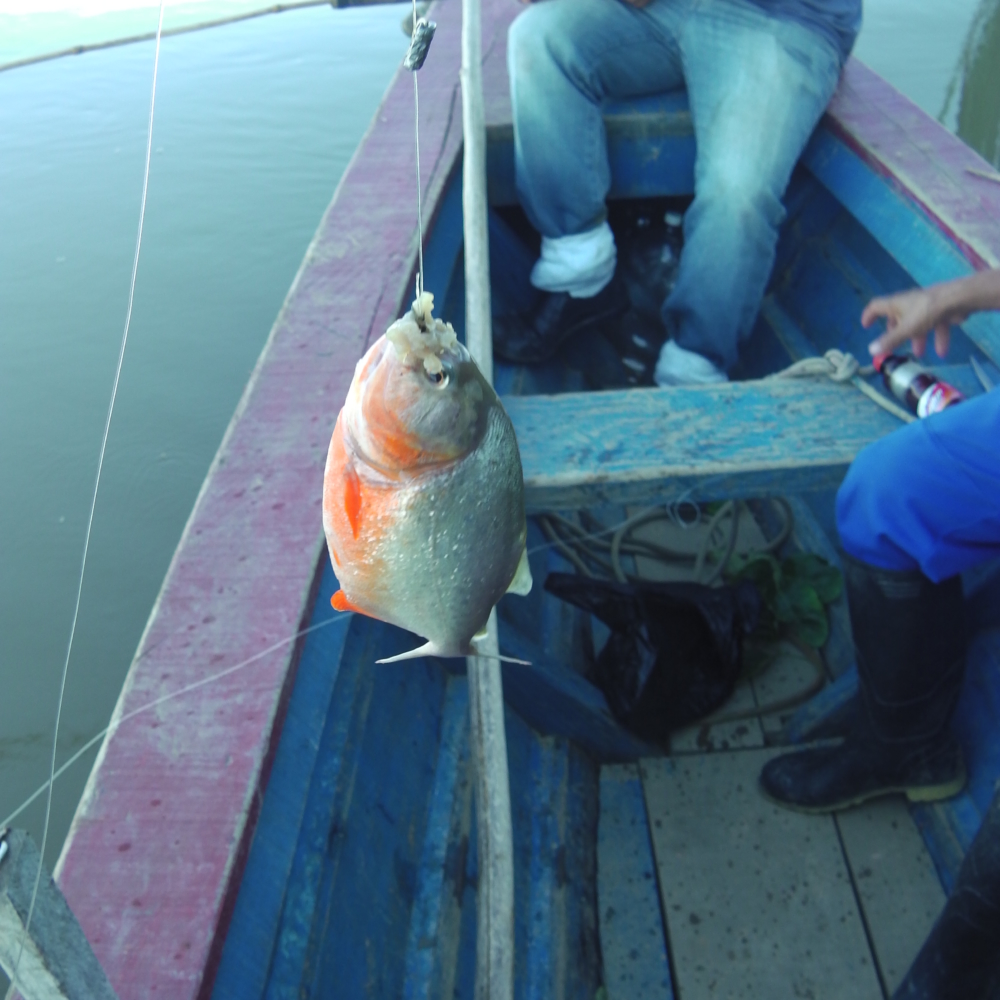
(93, 502)
(420, 41)
(113, 726)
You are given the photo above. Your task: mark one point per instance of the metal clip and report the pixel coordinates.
(3, 844)
(420, 42)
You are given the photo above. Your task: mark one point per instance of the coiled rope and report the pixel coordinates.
(842, 367)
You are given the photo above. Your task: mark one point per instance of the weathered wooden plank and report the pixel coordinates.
(920, 157)
(554, 800)
(709, 735)
(632, 935)
(351, 893)
(738, 439)
(899, 890)
(432, 945)
(757, 899)
(246, 958)
(50, 954)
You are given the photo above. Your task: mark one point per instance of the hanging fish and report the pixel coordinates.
(423, 496)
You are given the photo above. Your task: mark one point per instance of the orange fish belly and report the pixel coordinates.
(358, 513)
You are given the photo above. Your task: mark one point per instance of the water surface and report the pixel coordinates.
(254, 125)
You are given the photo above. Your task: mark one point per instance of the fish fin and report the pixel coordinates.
(427, 649)
(497, 656)
(475, 651)
(341, 602)
(521, 584)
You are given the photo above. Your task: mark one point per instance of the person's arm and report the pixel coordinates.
(912, 315)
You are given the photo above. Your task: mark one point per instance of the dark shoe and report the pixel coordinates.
(536, 334)
(909, 637)
(960, 960)
(825, 779)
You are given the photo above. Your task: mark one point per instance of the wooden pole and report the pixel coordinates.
(495, 893)
(56, 961)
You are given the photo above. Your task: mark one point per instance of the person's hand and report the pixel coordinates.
(911, 316)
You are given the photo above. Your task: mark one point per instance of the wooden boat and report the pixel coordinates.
(303, 825)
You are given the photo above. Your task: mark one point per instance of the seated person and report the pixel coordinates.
(758, 73)
(917, 508)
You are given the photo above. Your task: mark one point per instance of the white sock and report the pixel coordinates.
(581, 264)
(676, 366)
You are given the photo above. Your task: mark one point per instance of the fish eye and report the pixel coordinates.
(438, 379)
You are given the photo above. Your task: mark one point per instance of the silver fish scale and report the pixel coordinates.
(457, 547)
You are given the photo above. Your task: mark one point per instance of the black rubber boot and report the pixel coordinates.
(909, 637)
(960, 960)
(534, 335)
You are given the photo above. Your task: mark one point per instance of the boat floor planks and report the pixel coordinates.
(633, 947)
(758, 899)
(898, 888)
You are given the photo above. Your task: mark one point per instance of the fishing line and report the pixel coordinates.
(420, 40)
(93, 502)
(113, 726)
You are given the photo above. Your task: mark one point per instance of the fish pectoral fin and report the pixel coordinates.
(473, 651)
(521, 584)
(341, 602)
(427, 649)
(482, 633)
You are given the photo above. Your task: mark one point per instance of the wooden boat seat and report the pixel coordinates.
(737, 439)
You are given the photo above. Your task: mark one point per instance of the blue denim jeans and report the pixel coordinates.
(756, 84)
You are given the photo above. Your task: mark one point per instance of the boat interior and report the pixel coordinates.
(642, 869)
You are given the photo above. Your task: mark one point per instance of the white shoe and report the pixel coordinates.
(676, 366)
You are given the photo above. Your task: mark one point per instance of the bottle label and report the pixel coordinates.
(936, 398)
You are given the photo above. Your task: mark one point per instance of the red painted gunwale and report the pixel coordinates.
(921, 159)
(154, 857)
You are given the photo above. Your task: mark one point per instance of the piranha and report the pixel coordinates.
(423, 495)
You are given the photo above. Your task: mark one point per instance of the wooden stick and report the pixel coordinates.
(495, 894)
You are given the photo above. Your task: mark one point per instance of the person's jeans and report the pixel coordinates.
(756, 84)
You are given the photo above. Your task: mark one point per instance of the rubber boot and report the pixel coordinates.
(960, 960)
(909, 637)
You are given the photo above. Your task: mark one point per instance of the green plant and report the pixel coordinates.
(794, 593)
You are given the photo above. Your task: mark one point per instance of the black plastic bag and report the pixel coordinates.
(675, 649)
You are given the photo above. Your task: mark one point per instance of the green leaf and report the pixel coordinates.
(817, 572)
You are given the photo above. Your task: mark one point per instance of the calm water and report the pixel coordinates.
(255, 123)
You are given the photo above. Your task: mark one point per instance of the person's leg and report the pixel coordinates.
(960, 960)
(927, 497)
(566, 57)
(757, 86)
(917, 507)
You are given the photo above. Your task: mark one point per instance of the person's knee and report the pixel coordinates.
(871, 507)
(738, 190)
(528, 43)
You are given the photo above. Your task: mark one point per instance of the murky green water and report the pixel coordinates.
(255, 123)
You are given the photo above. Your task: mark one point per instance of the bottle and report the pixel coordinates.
(918, 387)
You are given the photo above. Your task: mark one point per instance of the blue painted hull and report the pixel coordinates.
(362, 872)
